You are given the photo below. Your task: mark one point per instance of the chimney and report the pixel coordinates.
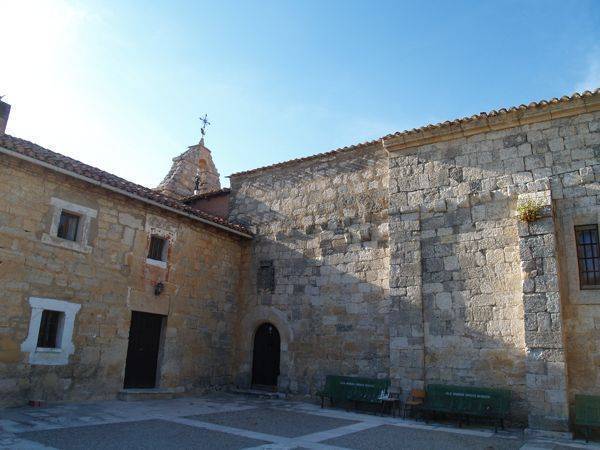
(4, 113)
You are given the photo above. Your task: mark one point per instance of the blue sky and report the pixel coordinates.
(121, 85)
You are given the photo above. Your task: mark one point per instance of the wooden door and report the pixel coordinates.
(265, 360)
(142, 353)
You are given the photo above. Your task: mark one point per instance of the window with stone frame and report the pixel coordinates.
(266, 277)
(70, 225)
(50, 325)
(588, 256)
(50, 337)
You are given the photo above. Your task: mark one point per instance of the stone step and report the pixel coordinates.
(257, 393)
(129, 395)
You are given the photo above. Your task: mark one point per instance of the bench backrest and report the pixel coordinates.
(342, 388)
(587, 410)
(468, 400)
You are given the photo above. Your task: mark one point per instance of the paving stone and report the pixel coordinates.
(392, 437)
(274, 421)
(147, 434)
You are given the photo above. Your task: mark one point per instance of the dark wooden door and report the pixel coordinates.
(265, 361)
(142, 353)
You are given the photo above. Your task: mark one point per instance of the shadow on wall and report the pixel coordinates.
(332, 300)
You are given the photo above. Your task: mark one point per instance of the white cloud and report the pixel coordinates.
(591, 78)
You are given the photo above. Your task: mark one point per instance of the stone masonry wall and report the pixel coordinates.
(458, 315)
(196, 161)
(575, 184)
(403, 263)
(201, 287)
(478, 298)
(324, 225)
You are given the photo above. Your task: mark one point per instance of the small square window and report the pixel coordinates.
(588, 256)
(67, 226)
(49, 327)
(157, 250)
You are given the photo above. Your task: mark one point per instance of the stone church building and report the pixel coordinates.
(400, 258)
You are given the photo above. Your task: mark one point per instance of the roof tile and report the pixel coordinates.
(42, 154)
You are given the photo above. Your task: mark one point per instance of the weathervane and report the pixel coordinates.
(205, 122)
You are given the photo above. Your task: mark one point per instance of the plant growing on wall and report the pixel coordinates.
(529, 211)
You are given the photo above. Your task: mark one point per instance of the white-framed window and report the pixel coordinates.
(70, 225)
(161, 236)
(50, 338)
(158, 248)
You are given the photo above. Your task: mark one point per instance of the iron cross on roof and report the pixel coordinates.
(205, 122)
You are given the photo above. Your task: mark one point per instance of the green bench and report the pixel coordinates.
(354, 389)
(485, 403)
(587, 412)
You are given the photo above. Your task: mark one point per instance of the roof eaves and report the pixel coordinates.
(308, 158)
(503, 118)
(36, 154)
(467, 126)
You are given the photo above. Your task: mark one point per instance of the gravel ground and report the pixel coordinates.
(146, 434)
(275, 422)
(392, 437)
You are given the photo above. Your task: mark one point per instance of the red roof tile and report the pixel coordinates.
(63, 162)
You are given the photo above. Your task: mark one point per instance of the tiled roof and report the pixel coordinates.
(440, 127)
(308, 158)
(542, 110)
(64, 163)
(216, 193)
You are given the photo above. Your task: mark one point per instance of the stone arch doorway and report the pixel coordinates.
(266, 356)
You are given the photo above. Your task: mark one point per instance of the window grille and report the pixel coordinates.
(157, 248)
(588, 256)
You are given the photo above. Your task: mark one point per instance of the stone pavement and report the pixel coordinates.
(225, 421)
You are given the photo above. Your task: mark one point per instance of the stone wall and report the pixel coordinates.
(413, 264)
(323, 223)
(403, 259)
(194, 166)
(456, 283)
(476, 294)
(201, 287)
(575, 184)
